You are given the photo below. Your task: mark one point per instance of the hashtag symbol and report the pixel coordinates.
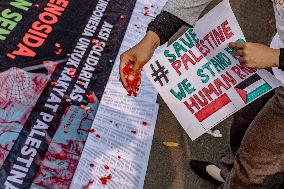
(159, 73)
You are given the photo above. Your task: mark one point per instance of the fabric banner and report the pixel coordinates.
(201, 80)
(56, 58)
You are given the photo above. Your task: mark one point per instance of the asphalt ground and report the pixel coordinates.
(169, 167)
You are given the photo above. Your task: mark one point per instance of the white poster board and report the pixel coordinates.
(200, 79)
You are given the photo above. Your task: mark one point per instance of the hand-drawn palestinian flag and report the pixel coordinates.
(252, 88)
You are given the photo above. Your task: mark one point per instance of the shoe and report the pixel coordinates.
(199, 167)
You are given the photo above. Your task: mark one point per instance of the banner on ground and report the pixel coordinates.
(201, 80)
(56, 58)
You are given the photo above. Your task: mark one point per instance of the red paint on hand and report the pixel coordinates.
(132, 81)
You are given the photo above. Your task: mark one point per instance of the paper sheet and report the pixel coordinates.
(116, 154)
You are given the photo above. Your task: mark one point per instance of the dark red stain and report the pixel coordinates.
(146, 11)
(122, 17)
(65, 132)
(106, 167)
(104, 180)
(62, 174)
(134, 132)
(119, 157)
(91, 130)
(92, 165)
(86, 130)
(98, 136)
(84, 119)
(145, 123)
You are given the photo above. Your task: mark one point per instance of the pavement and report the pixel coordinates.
(169, 167)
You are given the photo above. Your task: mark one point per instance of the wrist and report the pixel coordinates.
(151, 40)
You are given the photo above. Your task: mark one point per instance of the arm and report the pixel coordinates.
(175, 14)
(187, 10)
(254, 55)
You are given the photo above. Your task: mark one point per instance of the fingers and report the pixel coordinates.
(242, 60)
(237, 45)
(130, 74)
(123, 62)
(239, 52)
(136, 69)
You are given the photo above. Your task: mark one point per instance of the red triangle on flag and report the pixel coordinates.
(243, 94)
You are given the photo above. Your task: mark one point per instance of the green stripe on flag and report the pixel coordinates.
(258, 92)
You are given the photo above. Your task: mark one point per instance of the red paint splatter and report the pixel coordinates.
(98, 136)
(92, 165)
(106, 167)
(144, 123)
(122, 17)
(88, 184)
(91, 130)
(119, 157)
(134, 132)
(96, 42)
(53, 84)
(72, 72)
(104, 180)
(86, 130)
(36, 5)
(83, 107)
(65, 132)
(146, 11)
(90, 98)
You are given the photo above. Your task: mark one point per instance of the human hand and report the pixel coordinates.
(133, 60)
(254, 55)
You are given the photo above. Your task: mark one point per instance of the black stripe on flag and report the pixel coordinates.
(252, 79)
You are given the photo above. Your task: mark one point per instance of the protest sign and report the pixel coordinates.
(201, 80)
(57, 57)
